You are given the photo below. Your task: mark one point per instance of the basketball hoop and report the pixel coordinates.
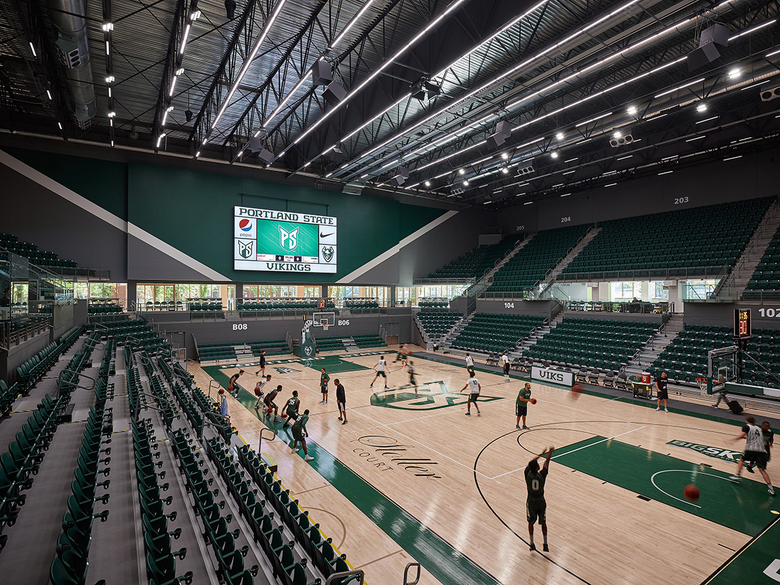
(325, 326)
(702, 382)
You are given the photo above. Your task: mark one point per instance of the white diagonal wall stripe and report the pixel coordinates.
(395, 249)
(111, 219)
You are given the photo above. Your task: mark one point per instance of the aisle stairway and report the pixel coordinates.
(553, 275)
(655, 346)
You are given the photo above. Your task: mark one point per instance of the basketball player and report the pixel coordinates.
(412, 379)
(232, 386)
(324, 379)
(521, 404)
(341, 400)
(380, 371)
(769, 440)
(663, 393)
(755, 452)
(474, 388)
(505, 363)
(535, 505)
(270, 406)
(401, 357)
(299, 432)
(469, 362)
(259, 392)
(261, 371)
(291, 409)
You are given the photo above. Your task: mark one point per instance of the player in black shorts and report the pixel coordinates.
(261, 371)
(663, 393)
(270, 406)
(536, 506)
(412, 379)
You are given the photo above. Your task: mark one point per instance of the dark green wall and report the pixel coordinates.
(193, 211)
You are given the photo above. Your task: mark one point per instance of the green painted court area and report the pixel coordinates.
(430, 396)
(756, 562)
(333, 365)
(745, 507)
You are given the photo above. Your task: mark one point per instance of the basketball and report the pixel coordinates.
(691, 493)
(576, 392)
(533, 400)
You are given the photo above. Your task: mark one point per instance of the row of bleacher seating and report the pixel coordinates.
(135, 333)
(436, 322)
(368, 341)
(532, 262)
(212, 310)
(73, 545)
(593, 343)
(320, 549)
(227, 351)
(488, 332)
(765, 280)
(356, 305)
(48, 260)
(33, 369)
(434, 304)
(101, 309)
(673, 243)
(336, 342)
(685, 358)
(476, 262)
(24, 456)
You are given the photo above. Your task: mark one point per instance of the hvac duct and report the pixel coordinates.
(73, 51)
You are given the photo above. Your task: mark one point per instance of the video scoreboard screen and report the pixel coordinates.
(283, 241)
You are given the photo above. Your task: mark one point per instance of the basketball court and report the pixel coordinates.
(411, 479)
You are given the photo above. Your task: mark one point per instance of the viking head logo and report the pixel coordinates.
(245, 248)
(288, 240)
(327, 253)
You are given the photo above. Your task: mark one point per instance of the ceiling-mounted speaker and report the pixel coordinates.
(403, 171)
(417, 90)
(495, 141)
(433, 89)
(321, 73)
(702, 56)
(717, 33)
(255, 144)
(334, 93)
(265, 156)
(397, 181)
(504, 129)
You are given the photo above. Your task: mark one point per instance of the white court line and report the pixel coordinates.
(572, 451)
(470, 468)
(652, 479)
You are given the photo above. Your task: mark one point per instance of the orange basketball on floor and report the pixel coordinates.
(576, 392)
(691, 493)
(533, 400)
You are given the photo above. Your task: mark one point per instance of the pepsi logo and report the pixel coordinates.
(245, 225)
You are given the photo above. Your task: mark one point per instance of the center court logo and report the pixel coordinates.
(430, 396)
(288, 240)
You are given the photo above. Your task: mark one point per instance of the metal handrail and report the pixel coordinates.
(406, 573)
(354, 573)
(269, 439)
(76, 384)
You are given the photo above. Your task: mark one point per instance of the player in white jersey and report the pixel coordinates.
(469, 362)
(380, 368)
(505, 364)
(259, 392)
(474, 388)
(755, 452)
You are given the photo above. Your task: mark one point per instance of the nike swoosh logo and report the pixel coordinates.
(325, 235)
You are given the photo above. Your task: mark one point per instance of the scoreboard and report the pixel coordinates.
(283, 241)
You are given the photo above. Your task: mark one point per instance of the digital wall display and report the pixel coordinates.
(283, 241)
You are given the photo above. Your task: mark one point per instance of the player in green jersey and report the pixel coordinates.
(536, 506)
(521, 404)
(324, 379)
(299, 432)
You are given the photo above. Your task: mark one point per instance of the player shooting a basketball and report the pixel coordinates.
(536, 506)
